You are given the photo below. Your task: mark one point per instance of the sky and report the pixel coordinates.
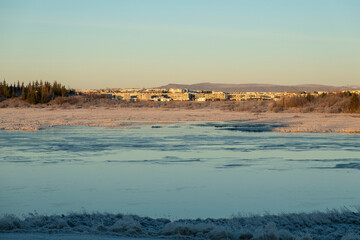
(148, 43)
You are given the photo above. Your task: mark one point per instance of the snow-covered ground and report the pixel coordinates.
(318, 225)
(38, 118)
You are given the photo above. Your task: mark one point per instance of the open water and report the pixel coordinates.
(189, 170)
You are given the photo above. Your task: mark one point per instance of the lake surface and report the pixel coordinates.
(177, 171)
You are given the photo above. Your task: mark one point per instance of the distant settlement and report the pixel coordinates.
(178, 94)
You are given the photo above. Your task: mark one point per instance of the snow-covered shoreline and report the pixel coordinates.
(317, 225)
(32, 119)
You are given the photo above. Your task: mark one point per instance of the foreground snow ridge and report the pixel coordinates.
(317, 225)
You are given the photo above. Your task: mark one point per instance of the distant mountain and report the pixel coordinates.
(223, 87)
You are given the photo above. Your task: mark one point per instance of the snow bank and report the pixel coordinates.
(317, 225)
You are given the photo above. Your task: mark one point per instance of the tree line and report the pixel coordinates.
(34, 92)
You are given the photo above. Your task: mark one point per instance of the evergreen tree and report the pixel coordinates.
(23, 92)
(34, 92)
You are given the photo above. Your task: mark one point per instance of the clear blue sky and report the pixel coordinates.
(148, 43)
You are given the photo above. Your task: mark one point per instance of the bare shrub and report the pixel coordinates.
(330, 103)
(354, 105)
(14, 102)
(73, 100)
(59, 100)
(296, 102)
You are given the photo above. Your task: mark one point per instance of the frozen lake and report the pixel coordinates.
(188, 170)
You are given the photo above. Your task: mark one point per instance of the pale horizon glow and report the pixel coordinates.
(149, 43)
